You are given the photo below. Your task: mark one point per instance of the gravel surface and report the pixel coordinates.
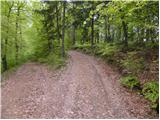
(85, 88)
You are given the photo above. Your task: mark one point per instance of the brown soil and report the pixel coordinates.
(85, 88)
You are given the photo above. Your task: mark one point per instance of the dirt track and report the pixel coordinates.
(86, 88)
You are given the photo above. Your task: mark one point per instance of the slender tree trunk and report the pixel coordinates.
(108, 26)
(147, 34)
(106, 35)
(57, 20)
(73, 35)
(52, 34)
(16, 37)
(138, 34)
(4, 58)
(21, 38)
(63, 29)
(97, 35)
(48, 37)
(73, 29)
(142, 36)
(92, 28)
(85, 34)
(124, 25)
(113, 34)
(132, 34)
(92, 32)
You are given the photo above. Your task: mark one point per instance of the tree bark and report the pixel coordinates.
(57, 19)
(106, 35)
(92, 32)
(124, 25)
(73, 35)
(16, 37)
(97, 36)
(73, 29)
(109, 34)
(63, 29)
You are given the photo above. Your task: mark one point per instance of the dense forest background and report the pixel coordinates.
(123, 33)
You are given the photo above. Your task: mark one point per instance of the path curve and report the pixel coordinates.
(86, 88)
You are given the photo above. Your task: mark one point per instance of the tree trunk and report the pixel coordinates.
(124, 25)
(57, 20)
(109, 34)
(106, 35)
(142, 37)
(73, 35)
(4, 57)
(92, 32)
(97, 36)
(147, 35)
(16, 37)
(73, 29)
(113, 34)
(63, 29)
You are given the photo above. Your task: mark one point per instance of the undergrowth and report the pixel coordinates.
(151, 92)
(52, 59)
(130, 82)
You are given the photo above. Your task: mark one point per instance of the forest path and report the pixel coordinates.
(85, 88)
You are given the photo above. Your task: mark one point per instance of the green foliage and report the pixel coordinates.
(133, 63)
(151, 91)
(152, 45)
(107, 50)
(54, 60)
(84, 47)
(130, 82)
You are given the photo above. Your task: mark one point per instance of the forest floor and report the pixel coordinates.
(85, 88)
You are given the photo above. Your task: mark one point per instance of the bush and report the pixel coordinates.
(107, 50)
(84, 47)
(152, 45)
(53, 60)
(151, 92)
(130, 82)
(133, 63)
(81, 46)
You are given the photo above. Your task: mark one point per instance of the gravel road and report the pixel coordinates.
(85, 88)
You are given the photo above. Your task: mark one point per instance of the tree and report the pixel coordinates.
(63, 29)
(19, 7)
(57, 21)
(8, 9)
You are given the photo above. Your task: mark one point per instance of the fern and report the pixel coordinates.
(130, 82)
(151, 91)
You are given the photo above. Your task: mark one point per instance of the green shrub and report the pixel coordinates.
(130, 82)
(152, 44)
(84, 47)
(81, 46)
(107, 50)
(133, 63)
(151, 92)
(53, 59)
